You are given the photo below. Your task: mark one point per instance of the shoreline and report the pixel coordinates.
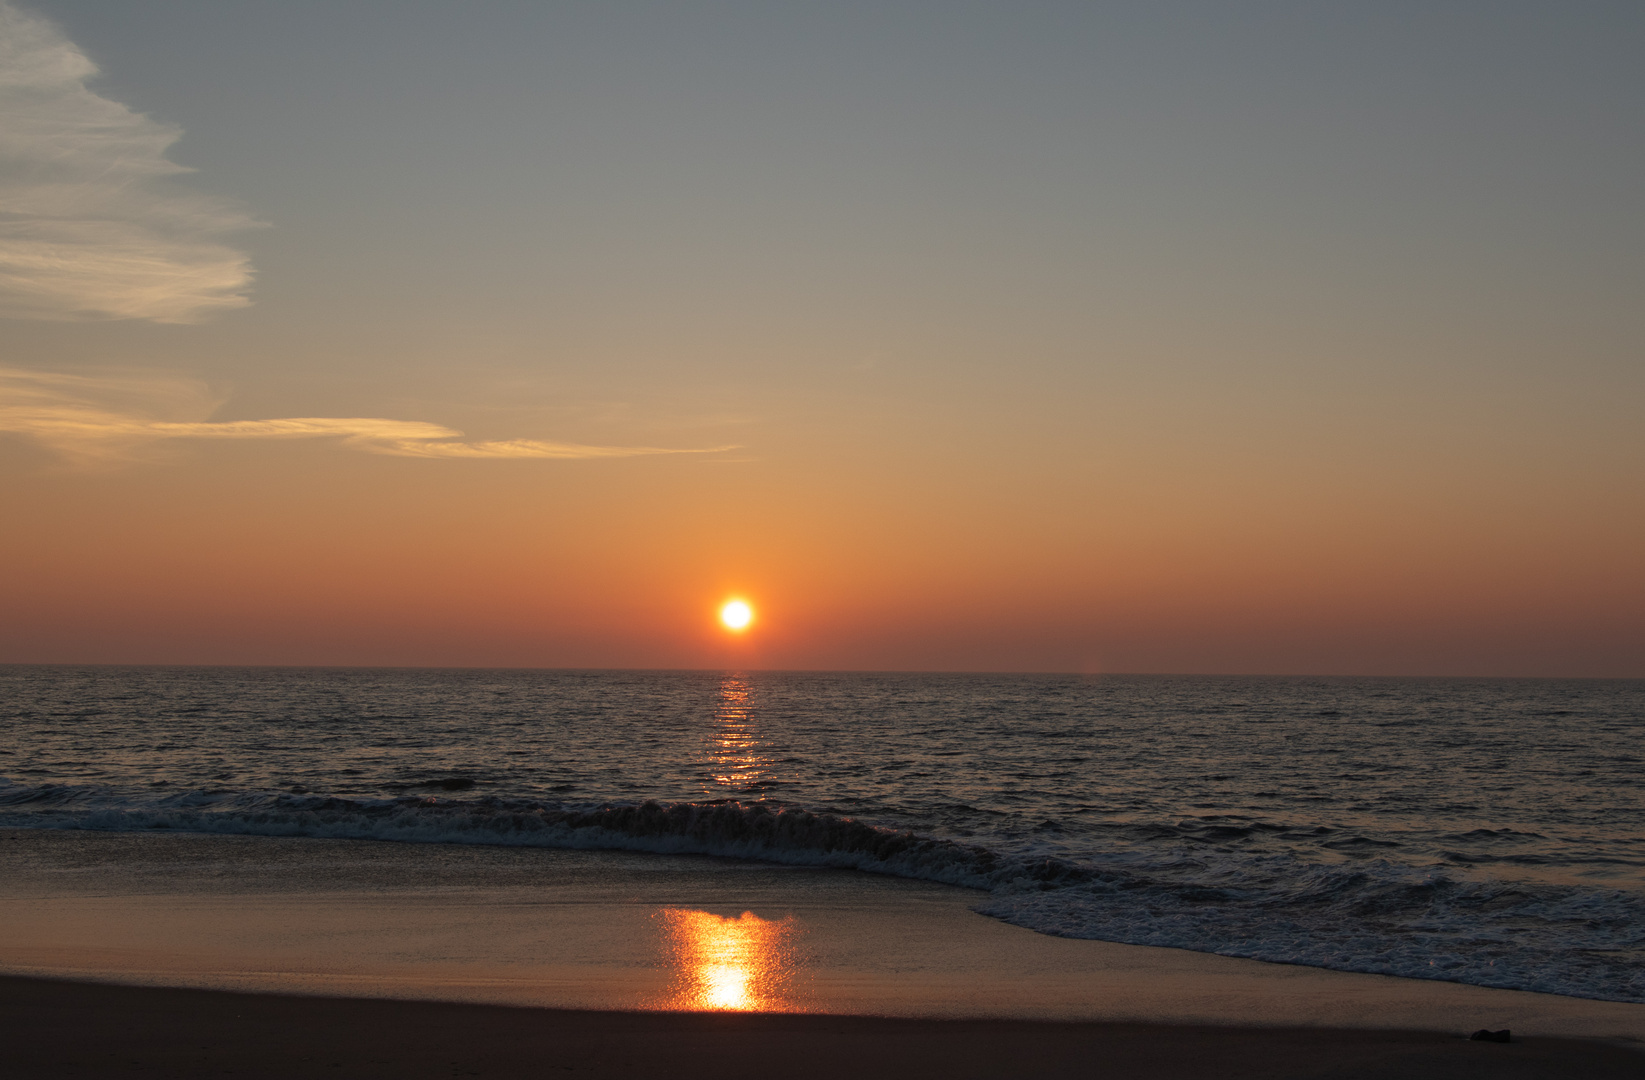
(54, 1027)
(601, 931)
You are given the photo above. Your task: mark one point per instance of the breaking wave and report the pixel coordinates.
(1370, 916)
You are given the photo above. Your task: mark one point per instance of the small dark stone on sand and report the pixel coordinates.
(1482, 1035)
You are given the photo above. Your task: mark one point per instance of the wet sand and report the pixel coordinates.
(263, 956)
(56, 1029)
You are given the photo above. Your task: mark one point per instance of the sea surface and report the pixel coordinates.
(1479, 831)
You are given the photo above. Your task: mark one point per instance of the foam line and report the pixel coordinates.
(1367, 916)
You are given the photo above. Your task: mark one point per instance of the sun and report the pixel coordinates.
(736, 615)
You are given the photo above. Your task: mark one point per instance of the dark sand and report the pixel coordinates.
(54, 1028)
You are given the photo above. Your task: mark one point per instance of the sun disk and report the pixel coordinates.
(736, 615)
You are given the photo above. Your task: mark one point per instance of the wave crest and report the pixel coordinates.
(1369, 916)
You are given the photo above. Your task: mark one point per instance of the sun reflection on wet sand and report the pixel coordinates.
(743, 964)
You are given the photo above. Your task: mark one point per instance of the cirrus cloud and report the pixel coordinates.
(110, 416)
(92, 224)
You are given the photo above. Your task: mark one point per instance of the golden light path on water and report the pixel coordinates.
(743, 964)
(734, 765)
(733, 753)
(720, 963)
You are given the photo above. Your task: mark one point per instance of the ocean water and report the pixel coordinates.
(1479, 831)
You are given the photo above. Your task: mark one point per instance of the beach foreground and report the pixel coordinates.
(57, 1028)
(602, 931)
(187, 955)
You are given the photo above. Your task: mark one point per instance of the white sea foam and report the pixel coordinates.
(1368, 916)
(1485, 831)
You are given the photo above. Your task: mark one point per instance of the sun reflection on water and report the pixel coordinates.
(743, 964)
(736, 766)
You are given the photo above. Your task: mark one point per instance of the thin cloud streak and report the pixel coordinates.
(91, 225)
(525, 448)
(103, 418)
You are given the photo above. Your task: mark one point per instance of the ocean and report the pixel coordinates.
(1481, 831)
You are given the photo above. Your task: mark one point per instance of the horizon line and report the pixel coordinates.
(811, 671)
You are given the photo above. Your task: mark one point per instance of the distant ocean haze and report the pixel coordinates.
(260, 562)
(1483, 831)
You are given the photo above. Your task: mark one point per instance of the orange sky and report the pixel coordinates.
(1061, 342)
(258, 558)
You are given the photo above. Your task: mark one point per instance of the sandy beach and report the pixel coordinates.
(53, 1028)
(199, 955)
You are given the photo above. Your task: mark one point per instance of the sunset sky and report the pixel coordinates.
(1133, 337)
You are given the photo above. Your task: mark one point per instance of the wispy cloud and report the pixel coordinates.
(111, 416)
(91, 223)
